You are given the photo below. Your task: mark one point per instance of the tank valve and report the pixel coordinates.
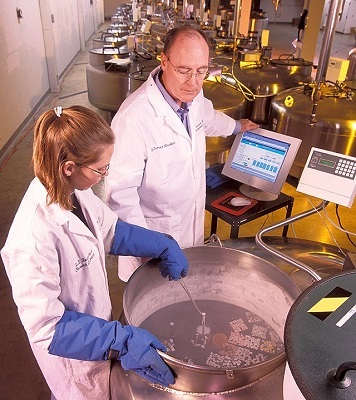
(323, 90)
(316, 96)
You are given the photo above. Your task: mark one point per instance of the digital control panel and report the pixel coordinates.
(333, 164)
(329, 176)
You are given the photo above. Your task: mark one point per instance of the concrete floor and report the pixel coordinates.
(20, 377)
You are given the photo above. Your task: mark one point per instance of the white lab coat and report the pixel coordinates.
(157, 175)
(290, 388)
(54, 262)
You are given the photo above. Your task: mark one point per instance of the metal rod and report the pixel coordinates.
(236, 20)
(203, 323)
(328, 36)
(190, 296)
(201, 10)
(279, 254)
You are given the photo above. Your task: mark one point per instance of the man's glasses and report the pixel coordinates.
(103, 171)
(186, 72)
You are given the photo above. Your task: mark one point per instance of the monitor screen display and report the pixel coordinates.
(261, 159)
(260, 156)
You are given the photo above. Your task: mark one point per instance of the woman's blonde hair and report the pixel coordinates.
(75, 134)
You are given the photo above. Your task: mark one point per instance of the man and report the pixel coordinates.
(158, 166)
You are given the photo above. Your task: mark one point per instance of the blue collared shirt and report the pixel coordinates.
(183, 111)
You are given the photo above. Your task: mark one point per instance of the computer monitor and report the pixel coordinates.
(261, 160)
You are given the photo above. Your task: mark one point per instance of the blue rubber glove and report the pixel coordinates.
(85, 337)
(214, 177)
(133, 240)
(142, 357)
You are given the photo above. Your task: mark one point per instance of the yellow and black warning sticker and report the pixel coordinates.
(330, 303)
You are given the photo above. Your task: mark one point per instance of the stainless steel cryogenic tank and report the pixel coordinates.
(106, 39)
(265, 82)
(99, 55)
(335, 129)
(109, 87)
(351, 71)
(216, 274)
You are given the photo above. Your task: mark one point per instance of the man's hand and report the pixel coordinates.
(247, 125)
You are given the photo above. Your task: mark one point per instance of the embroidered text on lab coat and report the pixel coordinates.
(84, 261)
(163, 146)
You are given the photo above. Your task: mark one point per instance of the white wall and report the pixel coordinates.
(347, 16)
(65, 32)
(27, 60)
(23, 74)
(89, 17)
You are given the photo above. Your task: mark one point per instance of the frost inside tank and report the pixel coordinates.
(232, 337)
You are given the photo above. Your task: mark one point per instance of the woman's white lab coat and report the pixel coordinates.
(54, 262)
(157, 176)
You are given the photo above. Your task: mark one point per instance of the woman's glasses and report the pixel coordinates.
(101, 172)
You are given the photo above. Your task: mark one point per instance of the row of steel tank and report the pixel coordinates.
(269, 91)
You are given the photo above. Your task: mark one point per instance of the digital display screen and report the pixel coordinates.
(327, 163)
(260, 156)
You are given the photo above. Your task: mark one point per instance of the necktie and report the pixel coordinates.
(183, 112)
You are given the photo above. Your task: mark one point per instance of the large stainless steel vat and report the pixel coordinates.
(129, 386)
(351, 71)
(107, 89)
(120, 32)
(225, 99)
(323, 258)
(140, 72)
(109, 39)
(98, 56)
(265, 83)
(335, 129)
(221, 274)
(298, 67)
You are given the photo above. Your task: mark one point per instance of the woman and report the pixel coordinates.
(55, 260)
